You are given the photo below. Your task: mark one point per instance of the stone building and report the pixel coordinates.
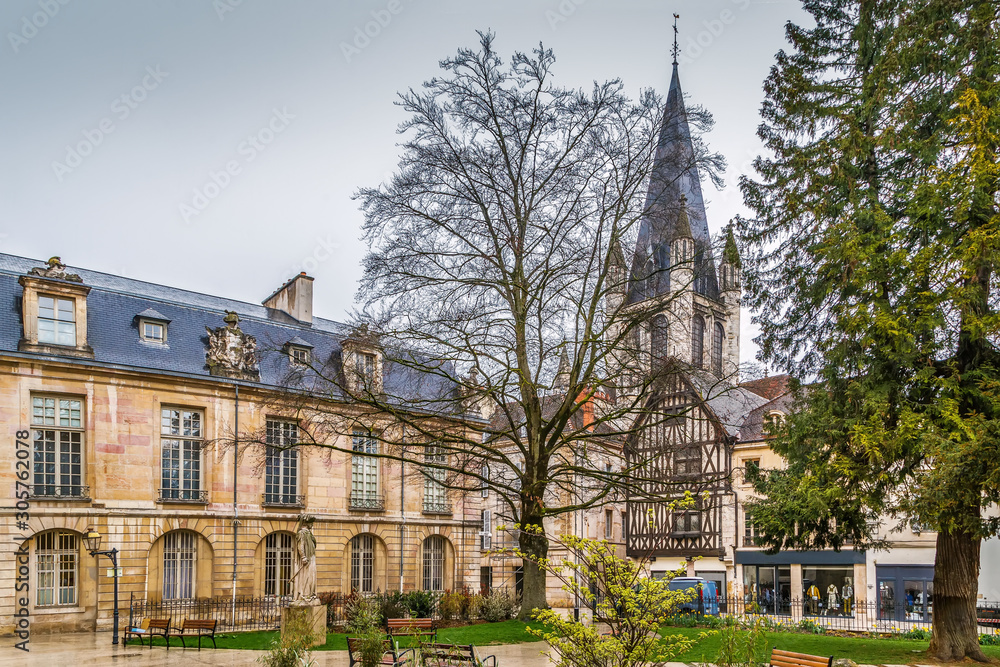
(897, 582)
(121, 402)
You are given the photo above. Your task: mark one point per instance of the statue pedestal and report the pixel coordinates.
(314, 614)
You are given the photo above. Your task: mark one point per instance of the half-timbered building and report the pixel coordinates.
(691, 350)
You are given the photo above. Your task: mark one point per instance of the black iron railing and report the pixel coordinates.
(60, 491)
(243, 613)
(373, 502)
(850, 615)
(282, 500)
(437, 507)
(198, 496)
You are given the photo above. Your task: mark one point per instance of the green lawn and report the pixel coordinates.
(483, 634)
(859, 649)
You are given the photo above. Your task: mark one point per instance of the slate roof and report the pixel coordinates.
(732, 405)
(112, 329)
(753, 427)
(674, 174)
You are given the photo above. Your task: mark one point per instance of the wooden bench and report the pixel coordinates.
(412, 627)
(391, 657)
(781, 658)
(453, 655)
(151, 627)
(197, 627)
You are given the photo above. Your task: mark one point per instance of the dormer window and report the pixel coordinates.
(299, 352)
(56, 321)
(366, 365)
(152, 326)
(299, 355)
(153, 331)
(54, 312)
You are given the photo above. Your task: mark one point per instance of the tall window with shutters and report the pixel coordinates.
(180, 443)
(57, 447)
(435, 493)
(179, 557)
(364, 469)
(56, 556)
(362, 563)
(279, 550)
(434, 563)
(486, 532)
(281, 464)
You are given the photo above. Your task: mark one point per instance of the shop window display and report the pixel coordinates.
(767, 589)
(828, 591)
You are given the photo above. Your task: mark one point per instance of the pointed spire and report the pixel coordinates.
(674, 174)
(682, 228)
(562, 374)
(675, 50)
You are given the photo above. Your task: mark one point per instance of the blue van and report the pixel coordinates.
(706, 600)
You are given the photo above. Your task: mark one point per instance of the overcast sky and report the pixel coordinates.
(118, 120)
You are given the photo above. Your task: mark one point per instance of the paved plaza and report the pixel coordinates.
(87, 649)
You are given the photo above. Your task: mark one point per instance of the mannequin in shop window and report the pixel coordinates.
(847, 596)
(812, 599)
(832, 603)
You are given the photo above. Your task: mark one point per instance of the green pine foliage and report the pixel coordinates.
(870, 263)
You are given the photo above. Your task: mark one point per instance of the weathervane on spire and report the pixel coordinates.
(675, 50)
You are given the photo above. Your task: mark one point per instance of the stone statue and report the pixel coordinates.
(305, 547)
(55, 269)
(232, 353)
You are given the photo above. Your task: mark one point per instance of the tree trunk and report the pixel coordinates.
(536, 546)
(956, 583)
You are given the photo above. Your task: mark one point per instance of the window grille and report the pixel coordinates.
(278, 558)
(55, 566)
(362, 563)
(178, 565)
(434, 563)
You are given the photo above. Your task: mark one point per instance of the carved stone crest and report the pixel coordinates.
(55, 269)
(232, 353)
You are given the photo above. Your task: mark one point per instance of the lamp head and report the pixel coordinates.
(92, 540)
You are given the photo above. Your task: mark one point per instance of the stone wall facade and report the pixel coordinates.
(121, 465)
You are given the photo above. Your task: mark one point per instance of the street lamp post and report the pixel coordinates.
(92, 540)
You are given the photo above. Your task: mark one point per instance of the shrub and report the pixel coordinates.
(500, 605)
(363, 612)
(450, 605)
(632, 606)
(473, 608)
(989, 640)
(372, 648)
(392, 605)
(741, 646)
(420, 603)
(291, 649)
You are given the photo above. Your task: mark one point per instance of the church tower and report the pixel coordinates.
(674, 265)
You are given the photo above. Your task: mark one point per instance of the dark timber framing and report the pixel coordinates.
(682, 447)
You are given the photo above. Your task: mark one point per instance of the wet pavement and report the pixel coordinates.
(82, 649)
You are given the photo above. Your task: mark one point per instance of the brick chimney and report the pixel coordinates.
(294, 298)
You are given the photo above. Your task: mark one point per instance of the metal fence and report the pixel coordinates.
(245, 613)
(851, 616)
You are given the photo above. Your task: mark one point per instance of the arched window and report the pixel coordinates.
(179, 556)
(717, 338)
(362, 563)
(55, 564)
(658, 338)
(434, 563)
(278, 557)
(697, 341)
